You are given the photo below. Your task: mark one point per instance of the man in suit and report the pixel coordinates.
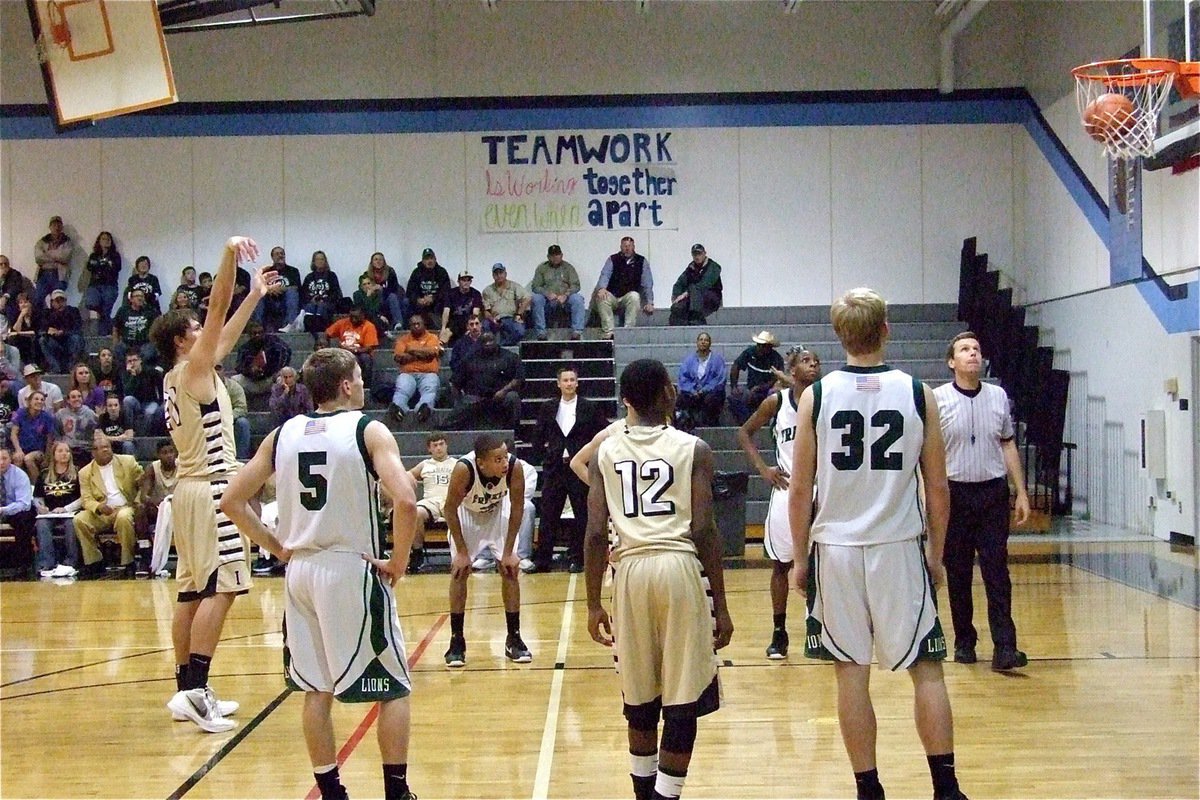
(108, 487)
(563, 427)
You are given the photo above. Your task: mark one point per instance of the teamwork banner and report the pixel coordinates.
(564, 181)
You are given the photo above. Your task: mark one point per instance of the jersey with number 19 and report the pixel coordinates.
(325, 484)
(870, 426)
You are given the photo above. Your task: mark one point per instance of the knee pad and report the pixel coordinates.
(644, 717)
(678, 735)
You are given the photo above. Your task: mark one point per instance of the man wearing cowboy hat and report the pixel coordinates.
(759, 360)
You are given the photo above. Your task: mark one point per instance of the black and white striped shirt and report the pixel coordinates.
(974, 424)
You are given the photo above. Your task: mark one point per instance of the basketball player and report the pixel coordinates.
(861, 434)
(213, 567)
(434, 475)
(484, 508)
(779, 409)
(342, 637)
(655, 483)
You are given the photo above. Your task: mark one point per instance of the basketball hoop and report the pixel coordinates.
(1119, 101)
(55, 40)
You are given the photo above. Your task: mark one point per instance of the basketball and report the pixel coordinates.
(1108, 117)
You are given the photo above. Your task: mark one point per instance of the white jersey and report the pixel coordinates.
(435, 477)
(485, 495)
(326, 485)
(783, 428)
(647, 474)
(870, 425)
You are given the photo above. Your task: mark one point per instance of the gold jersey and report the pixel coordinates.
(647, 473)
(202, 432)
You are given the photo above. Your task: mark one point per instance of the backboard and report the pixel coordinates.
(101, 58)
(1172, 30)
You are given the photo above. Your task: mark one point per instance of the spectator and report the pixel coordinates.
(57, 492)
(34, 382)
(320, 293)
(356, 334)
(281, 306)
(114, 424)
(189, 288)
(8, 407)
(206, 282)
(626, 283)
(148, 283)
(16, 507)
(241, 288)
(10, 356)
(105, 368)
(108, 487)
(12, 283)
(259, 359)
(156, 484)
(391, 299)
(466, 348)
(564, 426)
(83, 380)
(131, 328)
(555, 284)
(104, 265)
(32, 434)
(141, 389)
(701, 387)
(241, 422)
(75, 424)
(369, 297)
(433, 474)
(463, 302)
(697, 293)
(418, 354)
(22, 332)
(488, 388)
(289, 398)
(53, 253)
(183, 300)
(505, 304)
(428, 286)
(60, 334)
(761, 362)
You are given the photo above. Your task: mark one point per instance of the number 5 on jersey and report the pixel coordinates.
(316, 488)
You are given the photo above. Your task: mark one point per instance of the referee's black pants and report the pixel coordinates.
(979, 517)
(559, 483)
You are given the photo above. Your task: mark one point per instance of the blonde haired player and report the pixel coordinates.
(862, 434)
(213, 567)
(342, 637)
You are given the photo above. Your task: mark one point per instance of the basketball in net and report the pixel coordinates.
(1109, 117)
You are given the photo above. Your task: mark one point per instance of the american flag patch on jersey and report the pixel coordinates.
(318, 426)
(866, 383)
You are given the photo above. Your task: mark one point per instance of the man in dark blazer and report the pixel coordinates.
(564, 426)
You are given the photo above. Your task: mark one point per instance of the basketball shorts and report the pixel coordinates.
(341, 633)
(874, 597)
(213, 557)
(663, 628)
(483, 532)
(777, 533)
(435, 506)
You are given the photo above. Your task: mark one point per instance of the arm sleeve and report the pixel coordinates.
(647, 282)
(572, 276)
(606, 274)
(687, 374)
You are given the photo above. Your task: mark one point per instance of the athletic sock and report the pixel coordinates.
(941, 769)
(513, 620)
(330, 782)
(667, 785)
(456, 623)
(868, 785)
(197, 671)
(644, 771)
(781, 621)
(181, 677)
(395, 781)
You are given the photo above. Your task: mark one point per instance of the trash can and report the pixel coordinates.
(729, 510)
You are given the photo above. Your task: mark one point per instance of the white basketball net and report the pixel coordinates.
(1147, 89)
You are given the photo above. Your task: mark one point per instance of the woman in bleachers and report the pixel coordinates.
(83, 380)
(56, 491)
(320, 293)
(104, 369)
(22, 333)
(115, 424)
(104, 265)
(32, 434)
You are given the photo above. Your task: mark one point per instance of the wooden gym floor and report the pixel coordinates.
(1107, 707)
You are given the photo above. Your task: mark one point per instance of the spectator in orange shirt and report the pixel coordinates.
(418, 354)
(358, 335)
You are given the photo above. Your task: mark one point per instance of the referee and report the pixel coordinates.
(980, 451)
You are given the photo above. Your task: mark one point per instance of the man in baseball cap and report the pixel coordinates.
(505, 302)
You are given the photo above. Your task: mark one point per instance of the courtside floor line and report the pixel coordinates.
(541, 780)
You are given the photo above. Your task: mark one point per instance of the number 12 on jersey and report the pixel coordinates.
(641, 499)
